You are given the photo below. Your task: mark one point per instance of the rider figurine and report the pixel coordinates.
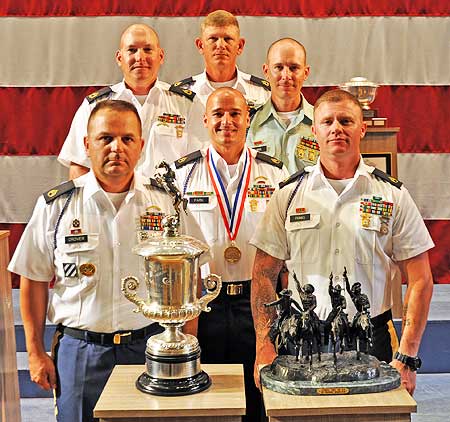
(360, 299)
(285, 304)
(309, 301)
(338, 304)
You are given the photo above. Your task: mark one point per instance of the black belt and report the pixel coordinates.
(109, 339)
(382, 319)
(236, 288)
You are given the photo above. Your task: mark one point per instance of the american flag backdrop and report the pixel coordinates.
(54, 53)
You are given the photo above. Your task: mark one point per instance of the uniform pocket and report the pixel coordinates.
(77, 263)
(304, 230)
(365, 244)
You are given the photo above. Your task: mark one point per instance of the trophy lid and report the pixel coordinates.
(358, 81)
(182, 246)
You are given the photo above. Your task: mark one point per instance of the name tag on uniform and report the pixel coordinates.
(199, 199)
(299, 217)
(76, 239)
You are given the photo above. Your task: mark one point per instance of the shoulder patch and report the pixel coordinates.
(260, 82)
(385, 177)
(291, 178)
(185, 92)
(155, 184)
(269, 159)
(187, 81)
(97, 95)
(54, 193)
(188, 159)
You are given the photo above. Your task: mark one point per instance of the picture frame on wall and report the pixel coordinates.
(380, 160)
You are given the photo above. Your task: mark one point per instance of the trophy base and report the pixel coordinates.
(173, 387)
(349, 376)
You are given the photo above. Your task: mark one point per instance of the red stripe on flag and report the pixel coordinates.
(440, 255)
(303, 8)
(36, 121)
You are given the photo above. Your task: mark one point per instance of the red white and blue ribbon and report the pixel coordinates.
(231, 215)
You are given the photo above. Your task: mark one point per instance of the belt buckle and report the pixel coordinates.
(235, 289)
(117, 339)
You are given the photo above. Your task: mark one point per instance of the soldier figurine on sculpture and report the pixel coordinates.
(361, 325)
(166, 179)
(309, 303)
(285, 304)
(296, 373)
(336, 324)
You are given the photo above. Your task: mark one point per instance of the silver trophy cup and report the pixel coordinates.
(171, 263)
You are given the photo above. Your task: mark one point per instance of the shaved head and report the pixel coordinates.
(137, 27)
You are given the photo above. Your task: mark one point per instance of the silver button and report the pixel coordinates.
(338, 224)
(336, 251)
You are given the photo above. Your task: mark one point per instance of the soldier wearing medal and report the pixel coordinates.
(139, 57)
(282, 126)
(81, 235)
(354, 216)
(219, 183)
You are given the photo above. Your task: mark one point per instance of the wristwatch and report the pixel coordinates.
(412, 362)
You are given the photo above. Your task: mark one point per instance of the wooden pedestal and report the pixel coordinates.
(224, 401)
(394, 406)
(9, 383)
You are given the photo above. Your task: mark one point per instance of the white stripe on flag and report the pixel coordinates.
(80, 51)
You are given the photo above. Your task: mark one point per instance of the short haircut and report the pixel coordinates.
(226, 89)
(337, 96)
(286, 39)
(115, 105)
(139, 26)
(219, 18)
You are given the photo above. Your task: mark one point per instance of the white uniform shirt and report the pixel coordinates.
(294, 144)
(321, 232)
(94, 302)
(253, 93)
(168, 143)
(208, 215)
(159, 100)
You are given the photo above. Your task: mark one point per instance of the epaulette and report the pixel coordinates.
(292, 178)
(155, 184)
(269, 159)
(385, 177)
(95, 96)
(182, 91)
(187, 81)
(52, 194)
(188, 159)
(260, 82)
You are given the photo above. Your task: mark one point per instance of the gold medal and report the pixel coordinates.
(232, 254)
(87, 269)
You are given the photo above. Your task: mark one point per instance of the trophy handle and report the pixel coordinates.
(129, 285)
(213, 284)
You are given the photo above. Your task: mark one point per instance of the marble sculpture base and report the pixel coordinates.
(349, 376)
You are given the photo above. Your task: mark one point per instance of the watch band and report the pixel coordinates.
(412, 362)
